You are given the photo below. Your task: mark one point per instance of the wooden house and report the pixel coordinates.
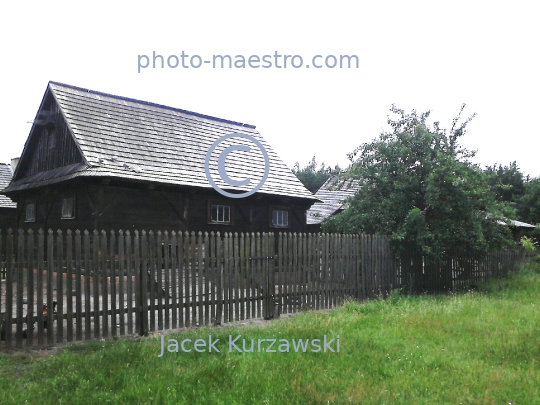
(98, 161)
(8, 209)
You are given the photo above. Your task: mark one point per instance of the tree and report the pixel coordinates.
(528, 206)
(507, 182)
(418, 185)
(312, 176)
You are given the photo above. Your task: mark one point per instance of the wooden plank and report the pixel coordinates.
(150, 277)
(258, 274)
(19, 287)
(187, 272)
(121, 275)
(207, 274)
(78, 286)
(69, 285)
(303, 261)
(39, 287)
(144, 268)
(174, 281)
(87, 294)
(96, 282)
(112, 272)
(129, 285)
(194, 279)
(9, 290)
(219, 283)
(230, 277)
(212, 272)
(180, 277)
(279, 274)
(242, 276)
(138, 283)
(200, 276)
(104, 288)
(167, 269)
(326, 270)
(236, 278)
(49, 287)
(227, 254)
(194, 292)
(30, 288)
(267, 307)
(253, 275)
(159, 279)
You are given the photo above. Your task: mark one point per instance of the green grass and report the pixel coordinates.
(471, 348)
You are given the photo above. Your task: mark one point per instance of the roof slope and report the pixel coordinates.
(141, 141)
(333, 199)
(5, 177)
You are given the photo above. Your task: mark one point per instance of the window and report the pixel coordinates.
(220, 214)
(68, 207)
(280, 218)
(30, 211)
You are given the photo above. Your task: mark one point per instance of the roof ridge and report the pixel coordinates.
(134, 100)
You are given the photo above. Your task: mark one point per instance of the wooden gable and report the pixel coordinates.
(51, 144)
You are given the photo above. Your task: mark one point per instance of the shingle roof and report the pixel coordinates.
(5, 177)
(141, 141)
(333, 199)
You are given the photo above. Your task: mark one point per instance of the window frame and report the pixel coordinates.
(73, 208)
(26, 204)
(283, 209)
(211, 204)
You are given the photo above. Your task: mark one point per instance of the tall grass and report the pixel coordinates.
(481, 347)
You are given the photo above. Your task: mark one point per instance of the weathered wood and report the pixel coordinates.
(180, 276)
(219, 284)
(87, 293)
(104, 288)
(78, 286)
(200, 276)
(59, 267)
(112, 278)
(174, 282)
(194, 278)
(212, 270)
(121, 275)
(9, 290)
(49, 287)
(242, 276)
(158, 279)
(150, 279)
(167, 287)
(139, 327)
(20, 281)
(187, 271)
(69, 285)
(30, 289)
(143, 279)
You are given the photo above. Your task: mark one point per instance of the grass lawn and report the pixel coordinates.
(480, 347)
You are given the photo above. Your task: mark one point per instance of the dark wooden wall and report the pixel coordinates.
(114, 207)
(8, 218)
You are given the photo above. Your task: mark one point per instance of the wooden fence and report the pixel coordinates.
(72, 286)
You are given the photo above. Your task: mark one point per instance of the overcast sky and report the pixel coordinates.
(421, 55)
